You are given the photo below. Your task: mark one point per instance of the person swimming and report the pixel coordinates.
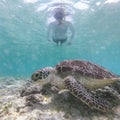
(57, 30)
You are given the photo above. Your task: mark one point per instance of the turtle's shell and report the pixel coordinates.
(83, 68)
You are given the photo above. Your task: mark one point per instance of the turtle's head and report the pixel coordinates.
(42, 75)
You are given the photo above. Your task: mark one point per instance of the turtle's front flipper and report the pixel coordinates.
(79, 91)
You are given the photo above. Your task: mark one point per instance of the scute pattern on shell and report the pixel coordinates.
(84, 68)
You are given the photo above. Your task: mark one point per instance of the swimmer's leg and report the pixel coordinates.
(63, 41)
(56, 41)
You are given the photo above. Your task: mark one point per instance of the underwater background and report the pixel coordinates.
(23, 35)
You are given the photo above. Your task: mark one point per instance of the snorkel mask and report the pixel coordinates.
(59, 14)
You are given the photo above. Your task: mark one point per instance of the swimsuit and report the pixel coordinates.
(59, 40)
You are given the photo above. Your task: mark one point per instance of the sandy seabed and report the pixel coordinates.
(18, 103)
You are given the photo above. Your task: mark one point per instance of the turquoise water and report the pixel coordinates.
(24, 47)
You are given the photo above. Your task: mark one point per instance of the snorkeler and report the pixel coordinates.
(58, 29)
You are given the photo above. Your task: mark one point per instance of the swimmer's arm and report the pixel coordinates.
(49, 31)
(72, 32)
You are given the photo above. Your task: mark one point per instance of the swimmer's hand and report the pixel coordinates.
(49, 40)
(69, 43)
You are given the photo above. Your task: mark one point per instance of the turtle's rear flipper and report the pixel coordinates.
(79, 91)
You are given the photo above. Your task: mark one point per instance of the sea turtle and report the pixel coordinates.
(78, 77)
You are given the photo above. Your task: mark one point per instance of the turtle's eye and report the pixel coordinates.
(35, 76)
